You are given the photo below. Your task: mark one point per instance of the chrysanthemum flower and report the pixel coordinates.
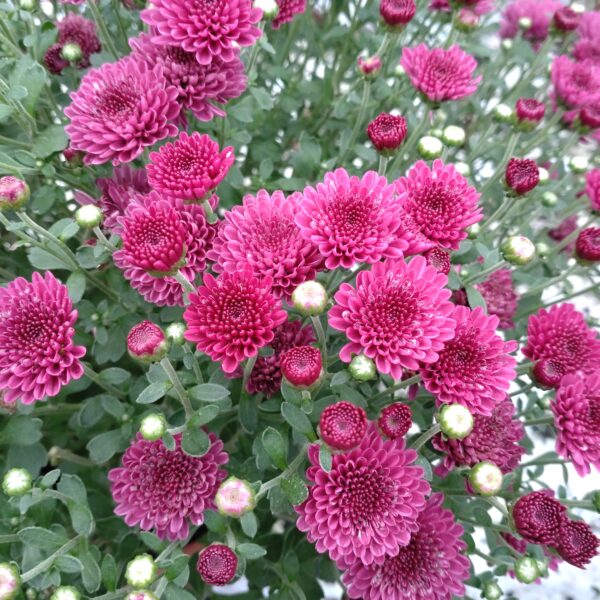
(119, 109)
(302, 366)
(397, 12)
(589, 116)
(230, 318)
(207, 28)
(37, 354)
(263, 235)
(576, 411)
(54, 61)
(539, 12)
(189, 168)
(576, 84)
(430, 567)
(395, 420)
(577, 543)
(202, 89)
(217, 564)
(165, 490)
(588, 45)
(440, 203)
(343, 425)
(478, 7)
(398, 315)
(351, 220)
(440, 74)
(75, 29)
(494, 438)
(288, 9)
(592, 188)
(529, 110)
(474, 368)
(522, 175)
(563, 230)
(538, 517)
(500, 298)
(146, 341)
(587, 245)
(562, 336)
(387, 132)
(366, 507)
(439, 259)
(14, 193)
(566, 19)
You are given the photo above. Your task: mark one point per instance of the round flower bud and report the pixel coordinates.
(397, 13)
(430, 147)
(521, 176)
(28, 5)
(14, 193)
(10, 581)
(466, 20)
(439, 259)
(30, 594)
(589, 117)
(587, 245)
(486, 478)
(235, 497)
(491, 591)
(141, 595)
(146, 342)
(579, 164)
(387, 132)
(542, 249)
(463, 168)
(369, 66)
(544, 175)
(217, 564)
(310, 298)
(302, 367)
(547, 373)
(153, 427)
(507, 44)
(456, 421)
(343, 425)
(578, 7)
(565, 19)
(437, 133)
(399, 71)
(454, 136)
(473, 231)
(518, 250)
(175, 332)
(71, 52)
(16, 482)
(270, 8)
(395, 420)
(526, 569)
(596, 501)
(549, 199)
(503, 113)
(529, 112)
(88, 216)
(538, 516)
(141, 571)
(362, 368)
(525, 23)
(66, 592)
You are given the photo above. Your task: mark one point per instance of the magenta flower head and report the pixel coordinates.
(500, 298)
(263, 235)
(369, 66)
(208, 29)
(439, 259)
(592, 188)
(538, 12)
(432, 566)
(54, 61)
(587, 245)
(521, 176)
(217, 564)
(565, 19)
(577, 543)
(343, 425)
(538, 517)
(288, 9)
(189, 168)
(14, 193)
(37, 353)
(474, 368)
(119, 109)
(576, 84)
(230, 318)
(395, 420)
(165, 490)
(561, 338)
(75, 29)
(440, 74)
(397, 13)
(398, 315)
(352, 220)
(387, 132)
(440, 204)
(146, 341)
(529, 112)
(576, 411)
(589, 117)
(302, 366)
(366, 508)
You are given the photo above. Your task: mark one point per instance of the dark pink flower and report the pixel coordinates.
(588, 45)
(54, 61)
(119, 109)
(563, 230)
(352, 220)
(217, 564)
(398, 315)
(146, 342)
(366, 507)
(387, 132)
(587, 245)
(576, 84)
(530, 110)
(566, 19)
(343, 425)
(478, 7)
(540, 12)
(494, 438)
(439, 259)
(440, 203)
(589, 116)
(522, 175)
(395, 420)
(431, 567)
(208, 28)
(263, 235)
(500, 298)
(302, 366)
(592, 188)
(440, 74)
(397, 12)
(230, 318)
(190, 168)
(577, 543)
(165, 490)
(538, 517)
(37, 353)
(288, 9)
(75, 29)
(369, 65)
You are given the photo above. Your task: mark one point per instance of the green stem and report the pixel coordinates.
(12, 142)
(425, 437)
(104, 33)
(186, 285)
(10, 538)
(358, 122)
(267, 485)
(166, 364)
(67, 455)
(397, 386)
(107, 387)
(254, 53)
(322, 339)
(510, 148)
(411, 142)
(540, 421)
(550, 282)
(483, 274)
(542, 133)
(542, 54)
(383, 161)
(571, 237)
(211, 216)
(44, 565)
(104, 240)
(195, 366)
(247, 372)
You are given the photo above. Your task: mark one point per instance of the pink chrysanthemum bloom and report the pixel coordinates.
(167, 291)
(540, 12)
(343, 425)
(387, 132)
(500, 298)
(190, 168)
(577, 543)
(208, 28)
(588, 45)
(560, 337)
(217, 564)
(75, 29)
(230, 318)
(587, 245)
(576, 411)
(440, 74)
(54, 61)
(202, 89)
(563, 230)
(37, 354)
(440, 202)
(395, 420)
(263, 235)
(494, 438)
(119, 109)
(366, 507)
(538, 517)
(529, 110)
(165, 490)
(478, 7)
(288, 9)
(397, 13)
(592, 188)
(576, 84)
(369, 65)
(351, 220)
(431, 567)
(439, 259)
(398, 315)
(566, 19)
(302, 366)
(521, 176)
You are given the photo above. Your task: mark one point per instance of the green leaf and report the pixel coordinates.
(248, 413)
(44, 261)
(155, 391)
(27, 82)
(195, 442)
(209, 392)
(426, 466)
(91, 574)
(76, 286)
(264, 99)
(68, 564)
(177, 566)
(250, 551)
(475, 298)
(294, 488)
(109, 573)
(275, 446)
(50, 478)
(114, 375)
(81, 518)
(174, 592)
(215, 522)
(169, 441)
(297, 419)
(104, 446)
(41, 538)
(203, 416)
(325, 458)
(72, 487)
(51, 140)
(151, 540)
(21, 430)
(249, 524)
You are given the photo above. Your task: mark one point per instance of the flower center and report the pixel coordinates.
(116, 100)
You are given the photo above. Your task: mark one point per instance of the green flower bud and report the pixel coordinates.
(270, 8)
(456, 421)
(153, 427)
(235, 497)
(579, 164)
(10, 581)
(549, 199)
(141, 571)
(473, 231)
(310, 298)
(525, 23)
(526, 569)
(542, 249)
(507, 44)
(491, 591)
(544, 175)
(399, 71)
(437, 132)
(362, 368)
(454, 136)
(518, 250)
(503, 113)
(66, 592)
(463, 168)
(486, 478)
(16, 482)
(88, 216)
(175, 332)
(28, 5)
(71, 52)
(430, 147)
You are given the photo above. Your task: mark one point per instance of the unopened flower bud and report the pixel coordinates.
(526, 569)
(71, 52)
(369, 66)
(397, 13)
(88, 216)
(542, 249)
(491, 591)
(454, 136)
(544, 176)
(302, 367)
(521, 176)
(146, 342)
(310, 298)
(486, 478)
(16, 482)
(342, 425)
(395, 420)
(66, 592)
(270, 8)
(579, 164)
(456, 421)
(507, 44)
(235, 497)
(430, 147)
(14, 193)
(141, 571)
(28, 5)
(10, 581)
(175, 332)
(466, 20)
(387, 132)
(473, 231)
(399, 71)
(525, 23)
(463, 168)
(362, 368)
(503, 113)
(141, 595)
(549, 199)
(518, 250)
(565, 19)
(217, 564)
(529, 112)
(153, 427)
(589, 118)
(587, 245)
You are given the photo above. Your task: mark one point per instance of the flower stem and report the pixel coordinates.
(166, 364)
(186, 285)
(316, 321)
(383, 162)
(247, 372)
(411, 142)
(104, 33)
(107, 387)
(44, 565)
(426, 436)
(209, 213)
(195, 366)
(478, 277)
(358, 122)
(104, 240)
(540, 421)
(267, 485)
(510, 148)
(397, 386)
